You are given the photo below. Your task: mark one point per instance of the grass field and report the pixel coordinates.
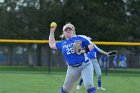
(37, 80)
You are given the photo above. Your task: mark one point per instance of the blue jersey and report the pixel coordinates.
(122, 58)
(66, 46)
(106, 58)
(93, 53)
(115, 58)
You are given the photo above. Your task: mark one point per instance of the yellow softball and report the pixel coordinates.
(53, 24)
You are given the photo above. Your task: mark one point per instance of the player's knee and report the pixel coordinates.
(63, 90)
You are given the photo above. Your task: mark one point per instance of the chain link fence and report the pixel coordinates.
(42, 55)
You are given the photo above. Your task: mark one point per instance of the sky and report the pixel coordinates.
(1, 1)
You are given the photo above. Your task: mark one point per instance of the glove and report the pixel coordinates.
(77, 46)
(112, 53)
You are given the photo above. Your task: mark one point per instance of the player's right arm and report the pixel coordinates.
(52, 42)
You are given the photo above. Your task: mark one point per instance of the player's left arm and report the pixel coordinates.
(97, 49)
(90, 47)
(110, 53)
(103, 52)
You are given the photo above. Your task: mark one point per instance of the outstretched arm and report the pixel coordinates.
(111, 53)
(97, 49)
(103, 52)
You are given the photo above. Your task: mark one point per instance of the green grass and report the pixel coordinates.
(37, 80)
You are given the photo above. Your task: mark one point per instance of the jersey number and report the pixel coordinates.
(70, 51)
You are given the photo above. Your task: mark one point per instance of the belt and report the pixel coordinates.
(77, 65)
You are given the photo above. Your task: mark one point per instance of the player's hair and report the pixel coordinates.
(70, 26)
(62, 36)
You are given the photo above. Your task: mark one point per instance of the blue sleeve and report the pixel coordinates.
(96, 49)
(85, 40)
(91, 54)
(59, 45)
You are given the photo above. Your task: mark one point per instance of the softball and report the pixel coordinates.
(53, 24)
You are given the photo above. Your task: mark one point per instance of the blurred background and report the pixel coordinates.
(102, 20)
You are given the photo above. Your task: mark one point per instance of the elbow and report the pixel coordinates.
(90, 47)
(52, 46)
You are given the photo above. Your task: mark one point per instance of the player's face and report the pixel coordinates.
(68, 32)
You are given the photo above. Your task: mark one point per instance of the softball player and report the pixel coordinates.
(93, 56)
(78, 64)
(122, 61)
(106, 62)
(101, 61)
(115, 61)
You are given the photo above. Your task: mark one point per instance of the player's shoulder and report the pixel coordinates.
(94, 45)
(62, 41)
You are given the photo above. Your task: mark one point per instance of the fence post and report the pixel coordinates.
(49, 60)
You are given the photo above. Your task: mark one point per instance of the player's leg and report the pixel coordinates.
(100, 63)
(80, 84)
(62, 90)
(125, 65)
(87, 75)
(114, 63)
(91, 90)
(119, 64)
(81, 81)
(97, 69)
(104, 64)
(72, 75)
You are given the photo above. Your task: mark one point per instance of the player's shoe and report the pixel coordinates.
(101, 88)
(78, 87)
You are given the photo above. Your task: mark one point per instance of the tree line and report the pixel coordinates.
(102, 20)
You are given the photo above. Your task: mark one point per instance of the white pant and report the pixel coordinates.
(73, 73)
(96, 66)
